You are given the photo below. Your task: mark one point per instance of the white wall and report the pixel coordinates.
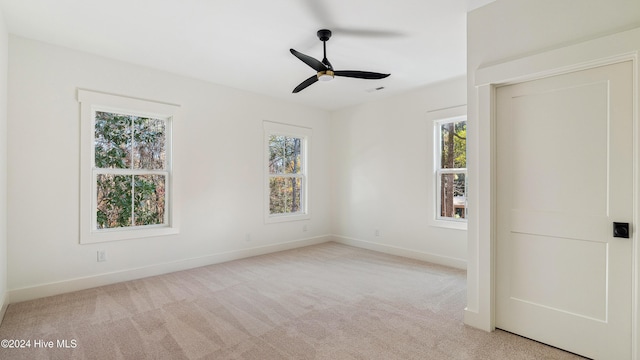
(218, 159)
(4, 50)
(384, 149)
(506, 30)
(382, 161)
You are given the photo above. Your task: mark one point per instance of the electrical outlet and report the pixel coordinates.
(102, 255)
(305, 228)
(247, 237)
(376, 232)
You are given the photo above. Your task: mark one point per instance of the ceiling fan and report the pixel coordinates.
(324, 68)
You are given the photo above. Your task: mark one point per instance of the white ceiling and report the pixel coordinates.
(245, 43)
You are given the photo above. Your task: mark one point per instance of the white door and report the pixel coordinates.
(564, 174)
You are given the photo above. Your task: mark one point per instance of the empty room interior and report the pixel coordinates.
(319, 179)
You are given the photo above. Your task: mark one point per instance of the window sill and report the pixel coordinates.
(92, 237)
(274, 219)
(450, 224)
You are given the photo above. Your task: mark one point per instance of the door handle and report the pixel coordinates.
(621, 230)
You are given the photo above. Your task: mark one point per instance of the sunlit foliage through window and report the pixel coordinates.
(285, 174)
(130, 170)
(453, 169)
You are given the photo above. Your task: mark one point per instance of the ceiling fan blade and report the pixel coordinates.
(305, 83)
(368, 33)
(323, 16)
(319, 11)
(360, 74)
(315, 64)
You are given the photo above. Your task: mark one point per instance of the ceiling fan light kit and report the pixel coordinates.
(324, 68)
(326, 75)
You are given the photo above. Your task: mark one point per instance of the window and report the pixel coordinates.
(126, 167)
(287, 181)
(130, 170)
(450, 167)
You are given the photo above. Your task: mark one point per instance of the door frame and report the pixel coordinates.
(615, 48)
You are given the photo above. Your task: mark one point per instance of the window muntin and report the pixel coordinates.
(451, 169)
(127, 182)
(286, 172)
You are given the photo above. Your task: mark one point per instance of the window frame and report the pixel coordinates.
(90, 103)
(439, 117)
(274, 128)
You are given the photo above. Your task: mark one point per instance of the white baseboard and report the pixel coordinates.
(474, 319)
(398, 251)
(4, 303)
(61, 287)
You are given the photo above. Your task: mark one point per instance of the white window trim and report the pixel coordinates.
(274, 128)
(437, 117)
(91, 101)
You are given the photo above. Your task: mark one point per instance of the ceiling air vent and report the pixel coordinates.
(375, 89)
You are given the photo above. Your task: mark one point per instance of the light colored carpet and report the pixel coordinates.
(327, 301)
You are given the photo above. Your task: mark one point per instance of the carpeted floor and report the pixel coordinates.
(327, 301)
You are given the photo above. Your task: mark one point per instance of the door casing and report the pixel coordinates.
(623, 46)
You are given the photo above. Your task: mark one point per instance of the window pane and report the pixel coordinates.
(453, 139)
(285, 195)
(149, 143)
(285, 155)
(149, 199)
(112, 140)
(453, 196)
(114, 201)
